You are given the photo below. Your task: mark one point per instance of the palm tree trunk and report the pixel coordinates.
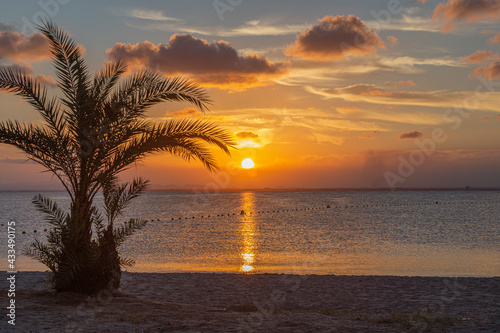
(109, 254)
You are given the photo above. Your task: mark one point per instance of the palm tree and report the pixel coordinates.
(92, 133)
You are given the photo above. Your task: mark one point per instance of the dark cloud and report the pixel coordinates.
(410, 135)
(216, 63)
(454, 11)
(18, 47)
(335, 37)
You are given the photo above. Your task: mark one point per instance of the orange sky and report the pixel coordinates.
(318, 95)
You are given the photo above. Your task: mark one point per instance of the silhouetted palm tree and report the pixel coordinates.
(94, 131)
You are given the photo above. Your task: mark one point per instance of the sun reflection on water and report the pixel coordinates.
(247, 230)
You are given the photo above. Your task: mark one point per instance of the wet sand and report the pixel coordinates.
(207, 302)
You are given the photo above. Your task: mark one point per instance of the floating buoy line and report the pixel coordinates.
(303, 209)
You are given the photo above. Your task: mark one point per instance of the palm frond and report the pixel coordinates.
(117, 197)
(53, 152)
(147, 88)
(126, 262)
(46, 254)
(71, 70)
(183, 138)
(106, 79)
(121, 233)
(54, 214)
(24, 85)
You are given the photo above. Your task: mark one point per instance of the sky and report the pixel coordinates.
(320, 94)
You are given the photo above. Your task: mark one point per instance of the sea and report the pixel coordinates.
(401, 233)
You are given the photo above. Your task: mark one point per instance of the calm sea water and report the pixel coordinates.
(417, 233)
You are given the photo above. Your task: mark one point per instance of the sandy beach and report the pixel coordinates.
(199, 302)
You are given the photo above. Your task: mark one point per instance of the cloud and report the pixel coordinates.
(366, 136)
(247, 135)
(349, 108)
(454, 11)
(184, 113)
(495, 39)
(46, 80)
(489, 72)
(211, 64)
(405, 23)
(392, 40)
(215, 118)
(410, 135)
(145, 14)
(480, 56)
(370, 93)
(303, 72)
(249, 28)
(16, 46)
(247, 139)
(395, 84)
(335, 37)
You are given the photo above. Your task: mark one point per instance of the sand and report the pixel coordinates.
(199, 302)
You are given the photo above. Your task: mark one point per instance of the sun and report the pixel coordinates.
(247, 163)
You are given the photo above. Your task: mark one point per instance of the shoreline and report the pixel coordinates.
(293, 274)
(382, 189)
(231, 302)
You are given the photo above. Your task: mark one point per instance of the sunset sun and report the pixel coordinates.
(247, 163)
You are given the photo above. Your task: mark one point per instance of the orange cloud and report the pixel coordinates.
(366, 136)
(248, 139)
(370, 93)
(247, 135)
(18, 47)
(184, 113)
(495, 39)
(46, 80)
(210, 64)
(480, 56)
(353, 108)
(335, 37)
(377, 93)
(215, 118)
(410, 135)
(395, 84)
(466, 11)
(490, 72)
(392, 40)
